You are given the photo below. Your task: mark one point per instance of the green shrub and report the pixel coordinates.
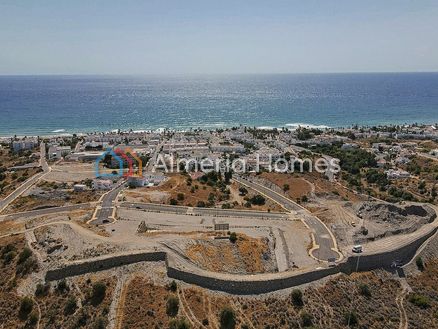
(99, 323)
(233, 237)
(227, 318)
(42, 289)
(306, 319)
(98, 294)
(364, 290)
(9, 257)
(172, 306)
(179, 324)
(419, 263)
(350, 319)
(24, 255)
(297, 297)
(173, 286)
(70, 306)
(62, 286)
(33, 319)
(26, 307)
(419, 300)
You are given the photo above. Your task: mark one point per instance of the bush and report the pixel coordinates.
(179, 324)
(172, 306)
(99, 323)
(24, 255)
(9, 257)
(306, 319)
(98, 294)
(33, 319)
(419, 263)
(180, 196)
(173, 286)
(173, 202)
(297, 297)
(350, 319)
(227, 318)
(62, 286)
(26, 266)
(233, 237)
(200, 204)
(257, 200)
(70, 306)
(26, 306)
(364, 290)
(42, 289)
(419, 300)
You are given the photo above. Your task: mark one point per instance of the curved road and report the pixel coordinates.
(326, 248)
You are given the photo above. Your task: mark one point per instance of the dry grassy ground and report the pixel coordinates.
(246, 255)
(425, 288)
(51, 194)
(327, 306)
(11, 180)
(298, 187)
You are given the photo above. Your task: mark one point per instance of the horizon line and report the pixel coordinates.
(210, 74)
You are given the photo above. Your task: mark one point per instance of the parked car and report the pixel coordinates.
(357, 249)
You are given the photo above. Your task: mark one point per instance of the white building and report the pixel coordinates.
(58, 152)
(397, 174)
(25, 144)
(79, 187)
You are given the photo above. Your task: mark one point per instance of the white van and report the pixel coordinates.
(357, 249)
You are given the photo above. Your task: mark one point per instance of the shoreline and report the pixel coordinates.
(289, 126)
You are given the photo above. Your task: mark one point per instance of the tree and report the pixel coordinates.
(173, 202)
(180, 196)
(172, 306)
(286, 187)
(233, 237)
(243, 191)
(227, 318)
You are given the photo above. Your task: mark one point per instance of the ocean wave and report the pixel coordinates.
(58, 131)
(295, 125)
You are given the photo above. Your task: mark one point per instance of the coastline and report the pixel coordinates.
(289, 126)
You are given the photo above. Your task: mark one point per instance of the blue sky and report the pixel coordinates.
(203, 36)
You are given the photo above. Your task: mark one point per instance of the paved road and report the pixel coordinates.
(28, 183)
(45, 211)
(323, 237)
(104, 213)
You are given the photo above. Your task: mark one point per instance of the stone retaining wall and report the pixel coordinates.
(103, 264)
(251, 284)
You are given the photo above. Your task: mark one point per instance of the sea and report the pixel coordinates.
(56, 105)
